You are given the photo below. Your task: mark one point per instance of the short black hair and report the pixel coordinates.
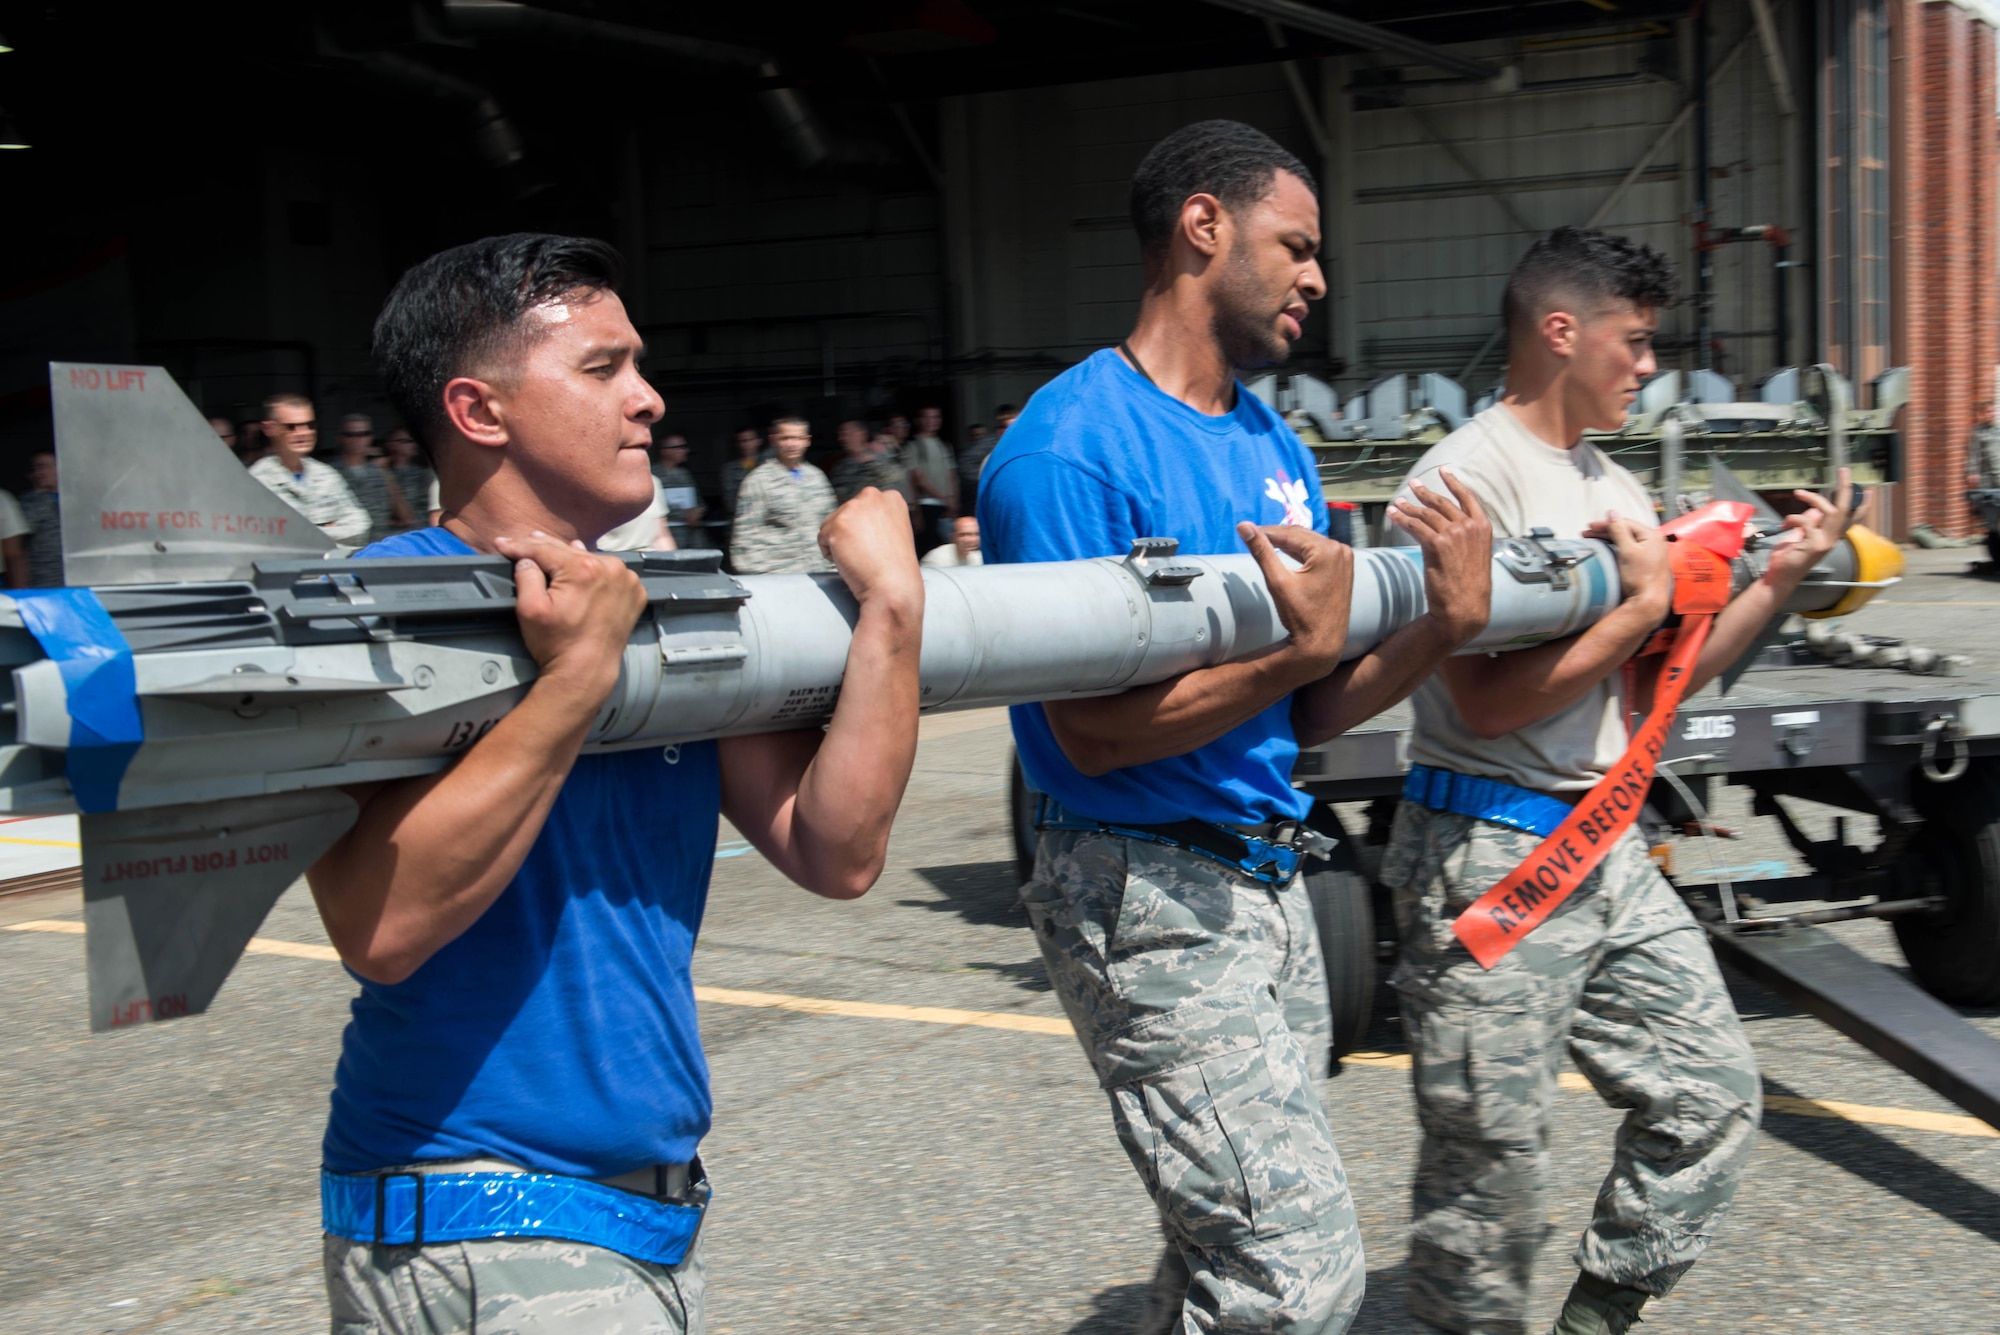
(451, 314)
(1236, 163)
(1594, 266)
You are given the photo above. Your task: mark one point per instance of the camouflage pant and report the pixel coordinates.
(1622, 976)
(509, 1286)
(1200, 999)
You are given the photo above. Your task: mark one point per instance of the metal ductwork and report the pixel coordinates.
(792, 117)
(1367, 36)
(804, 135)
(493, 136)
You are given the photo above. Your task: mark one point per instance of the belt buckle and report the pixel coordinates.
(382, 1208)
(1303, 839)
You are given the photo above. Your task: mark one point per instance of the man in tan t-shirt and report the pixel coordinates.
(1619, 973)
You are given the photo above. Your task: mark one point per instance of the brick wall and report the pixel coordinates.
(1947, 282)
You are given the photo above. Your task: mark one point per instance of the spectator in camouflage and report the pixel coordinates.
(780, 508)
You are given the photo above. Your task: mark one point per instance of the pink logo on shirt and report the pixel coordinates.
(1291, 495)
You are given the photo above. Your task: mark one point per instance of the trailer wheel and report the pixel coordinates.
(1343, 909)
(1955, 953)
(1021, 818)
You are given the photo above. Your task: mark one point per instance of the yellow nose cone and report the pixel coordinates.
(1875, 559)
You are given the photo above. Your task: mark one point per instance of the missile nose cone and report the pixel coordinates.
(1876, 561)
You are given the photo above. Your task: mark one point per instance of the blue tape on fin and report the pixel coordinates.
(77, 633)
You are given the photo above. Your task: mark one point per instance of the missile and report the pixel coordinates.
(223, 674)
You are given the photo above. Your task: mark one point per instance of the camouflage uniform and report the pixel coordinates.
(1622, 977)
(777, 521)
(1200, 999)
(509, 1286)
(320, 494)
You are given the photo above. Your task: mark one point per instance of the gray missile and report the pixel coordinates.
(204, 702)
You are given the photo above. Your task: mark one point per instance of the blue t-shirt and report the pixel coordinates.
(558, 1032)
(1097, 458)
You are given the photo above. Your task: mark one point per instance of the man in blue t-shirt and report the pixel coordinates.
(1166, 894)
(521, 1089)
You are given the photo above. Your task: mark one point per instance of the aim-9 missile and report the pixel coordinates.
(221, 675)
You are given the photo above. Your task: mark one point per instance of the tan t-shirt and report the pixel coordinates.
(1524, 482)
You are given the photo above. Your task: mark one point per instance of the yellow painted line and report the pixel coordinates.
(1955, 1124)
(298, 950)
(41, 843)
(871, 1010)
(259, 945)
(1911, 1119)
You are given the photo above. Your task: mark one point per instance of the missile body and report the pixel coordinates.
(209, 700)
(333, 673)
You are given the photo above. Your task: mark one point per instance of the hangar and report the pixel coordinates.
(850, 208)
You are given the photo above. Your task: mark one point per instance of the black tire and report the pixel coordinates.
(1021, 818)
(1993, 547)
(1343, 908)
(1955, 953)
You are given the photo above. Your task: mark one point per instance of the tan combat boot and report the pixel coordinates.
(1599, 1307)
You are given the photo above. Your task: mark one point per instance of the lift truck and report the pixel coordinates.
(1919, 754)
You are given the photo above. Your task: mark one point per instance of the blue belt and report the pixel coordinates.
(1273, 861)
(404, 1209)
(1505, 804)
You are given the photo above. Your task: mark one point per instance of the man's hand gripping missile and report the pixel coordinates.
(1457, 544)
(1689, 559)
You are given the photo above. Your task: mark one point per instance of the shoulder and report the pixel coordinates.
(416, 542)
(1066, 430)
(1616, 472)
(1474, 452)
(1040, 476)
(266, 468)
(324, 475)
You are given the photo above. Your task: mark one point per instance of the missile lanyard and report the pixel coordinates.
(1703, 544)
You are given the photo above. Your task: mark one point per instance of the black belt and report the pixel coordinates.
(1270, 852)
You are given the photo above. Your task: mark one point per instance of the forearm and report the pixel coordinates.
(1177, 716)
(819, 806)
(1504, 693)
(851, 788)
(1379, 679)
(428, 856)
(1738, 625)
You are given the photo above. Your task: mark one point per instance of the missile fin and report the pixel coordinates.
(172, 895)
(1766, 637)
(150, 494)
(1724, 485)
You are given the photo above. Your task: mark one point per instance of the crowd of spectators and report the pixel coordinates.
(772, 498)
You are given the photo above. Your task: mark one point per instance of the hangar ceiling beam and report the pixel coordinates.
(1367, 36)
